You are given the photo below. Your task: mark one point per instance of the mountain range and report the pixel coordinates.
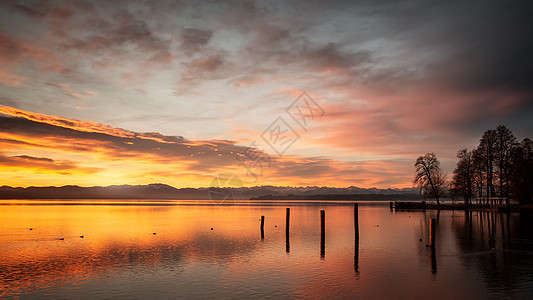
(164, 191)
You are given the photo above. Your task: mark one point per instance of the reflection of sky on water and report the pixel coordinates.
(120, 256)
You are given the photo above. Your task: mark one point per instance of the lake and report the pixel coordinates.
(203, 250)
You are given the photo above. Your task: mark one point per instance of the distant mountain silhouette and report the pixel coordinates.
(164, 191)
(342, 197)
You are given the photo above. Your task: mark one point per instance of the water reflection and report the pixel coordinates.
(433, 255)
(356, 257)
(479, 254)
(499, 246)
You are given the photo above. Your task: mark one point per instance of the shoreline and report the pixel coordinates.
(459, 206)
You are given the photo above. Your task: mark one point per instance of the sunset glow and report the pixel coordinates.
(246, 149)
(103, 94)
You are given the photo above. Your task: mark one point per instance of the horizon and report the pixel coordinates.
(207, 187)
(293, 94)
(246, 149)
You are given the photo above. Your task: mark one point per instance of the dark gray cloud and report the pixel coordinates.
(465, 45)
(37, 9)
(10, 49)
(8, 101)
(194, 39)
(123, 30)
(479, 44)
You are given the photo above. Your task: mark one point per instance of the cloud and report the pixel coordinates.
(330, 59)
(194, 39)
(117, 34)
(92, 148)
(396, 79)
(331, 172)
(8, 101)
(84, 126)
(25, 130)
(10, 49)
(40, 9)
(480, 45)
(198, 71)
(11, 79)
(44, 164)
(67, 90)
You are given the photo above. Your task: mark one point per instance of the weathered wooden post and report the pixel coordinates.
(356, 221)
(262, 227)
(287, 221)
(432, 224)
(391, 205)
(287, 224)
(356, 232)
(322, 233)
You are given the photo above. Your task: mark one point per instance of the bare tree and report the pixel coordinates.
(478, 178)
(505, 142)
(463, 175)
(487, 152)
(521, 170)
(429, 176)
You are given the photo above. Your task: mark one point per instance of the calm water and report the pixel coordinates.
(477, 255)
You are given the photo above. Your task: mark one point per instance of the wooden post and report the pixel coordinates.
(287, 225)
(323, 222)
(356, 221)
(287, 221)
(262, 227)
(432, 224)
(391, 205)
(356, 232)
(322, 233)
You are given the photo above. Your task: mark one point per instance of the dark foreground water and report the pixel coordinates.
(477, 255)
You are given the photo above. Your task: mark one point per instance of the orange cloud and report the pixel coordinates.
(11, 79)
(38, 148)
(26, 162)
(67, 90)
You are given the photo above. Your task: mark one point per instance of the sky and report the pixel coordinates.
(301, 93)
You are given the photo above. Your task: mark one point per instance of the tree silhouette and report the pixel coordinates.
(505, 142)
(463, 175)
(521, 171)
(486, 152)
(429, 176)
(478, 175)
(499, 166)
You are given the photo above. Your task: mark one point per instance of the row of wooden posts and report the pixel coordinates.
(432, 226)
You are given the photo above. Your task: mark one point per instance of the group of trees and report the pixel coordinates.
(499, 168)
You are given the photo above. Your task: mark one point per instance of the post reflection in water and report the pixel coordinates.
(287, 243)
(120, 257)
(433, 256)
(432, 241)
(356, 258)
